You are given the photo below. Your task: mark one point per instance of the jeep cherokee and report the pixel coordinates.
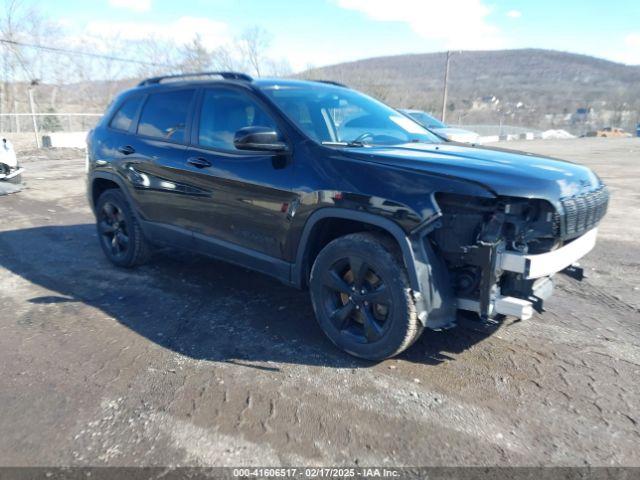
(391, 228)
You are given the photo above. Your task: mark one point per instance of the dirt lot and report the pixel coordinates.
(189, 361)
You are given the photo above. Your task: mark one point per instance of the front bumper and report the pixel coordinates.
(534, 268)
(11, 174)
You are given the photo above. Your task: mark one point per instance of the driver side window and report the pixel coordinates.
(223, 113)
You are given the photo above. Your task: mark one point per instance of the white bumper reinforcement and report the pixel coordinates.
(511, 306)
(533, 266)
(544, 264)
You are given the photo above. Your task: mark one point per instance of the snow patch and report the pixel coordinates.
(556, 135)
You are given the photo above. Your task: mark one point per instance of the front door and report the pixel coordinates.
(251, 192)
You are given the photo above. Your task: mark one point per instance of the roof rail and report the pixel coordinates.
(225, 75)
(331, 82)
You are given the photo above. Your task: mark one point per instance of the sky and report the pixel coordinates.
(321, 32)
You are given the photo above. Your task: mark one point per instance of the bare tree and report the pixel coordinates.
(380, 92)
(226, 57)
(85, 79)
(164, 54)
(253, 45)
(195, 56)
(278, 67)
(309, 72)
(22, 24)
(10, 28)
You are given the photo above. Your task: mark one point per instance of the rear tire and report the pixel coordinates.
(119, 232)
(362, 298)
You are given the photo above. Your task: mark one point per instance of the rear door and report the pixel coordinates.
(251, 191)
(156, 159)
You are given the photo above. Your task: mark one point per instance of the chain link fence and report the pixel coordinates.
(488, 130)
(27, 130)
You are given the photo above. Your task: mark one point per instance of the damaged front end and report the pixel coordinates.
(501, 254)
(10, 169)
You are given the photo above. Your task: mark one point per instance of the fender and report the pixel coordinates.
(329, 212)
(114, 178)
(428, 276)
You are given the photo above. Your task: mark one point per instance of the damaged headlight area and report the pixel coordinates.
(501, 253)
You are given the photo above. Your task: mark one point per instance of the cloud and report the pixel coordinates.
(181, 31)
(135, 5)
(626, 49)
(633, 40)
(630, 53)
(460, 24)
(514, 14)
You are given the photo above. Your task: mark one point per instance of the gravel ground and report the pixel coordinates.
(189, 361)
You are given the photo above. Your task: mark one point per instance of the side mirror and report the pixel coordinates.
(259, 138)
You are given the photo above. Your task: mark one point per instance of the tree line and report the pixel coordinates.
(39, 54)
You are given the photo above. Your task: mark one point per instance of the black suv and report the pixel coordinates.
(392, 228)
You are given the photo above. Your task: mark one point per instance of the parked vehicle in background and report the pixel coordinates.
(391, 228)
(10, 169)
(453, 134)
(611, 132)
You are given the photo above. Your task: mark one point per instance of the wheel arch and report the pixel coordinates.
(102, 181)
(305, 252)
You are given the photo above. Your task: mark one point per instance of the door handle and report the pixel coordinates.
(126, 149)
(199, 162)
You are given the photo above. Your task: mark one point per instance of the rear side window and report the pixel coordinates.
(164, 115)
(125, 114)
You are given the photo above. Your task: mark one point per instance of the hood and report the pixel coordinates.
(505, 172)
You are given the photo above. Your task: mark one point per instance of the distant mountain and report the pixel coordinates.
(538, 89)
(532, 87)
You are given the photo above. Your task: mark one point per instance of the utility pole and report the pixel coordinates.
(33, 112)
(1, 102)
(446, 86)
(15, 110)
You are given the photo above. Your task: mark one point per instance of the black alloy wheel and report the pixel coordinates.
(357, 299)
(113, 230)
(120, 235)
(362, 298)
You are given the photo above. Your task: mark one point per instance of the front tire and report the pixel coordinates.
(362, 298)
(119, 232)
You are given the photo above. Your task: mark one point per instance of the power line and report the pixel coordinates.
(87, 54)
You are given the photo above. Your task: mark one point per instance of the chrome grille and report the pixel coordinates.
(581, 213)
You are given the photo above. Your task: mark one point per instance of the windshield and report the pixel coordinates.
(334, 115)
(427, 120)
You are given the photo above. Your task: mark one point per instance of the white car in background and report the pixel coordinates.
(436, 126)
(10, 169)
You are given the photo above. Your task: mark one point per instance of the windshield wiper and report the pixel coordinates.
(344, 144)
